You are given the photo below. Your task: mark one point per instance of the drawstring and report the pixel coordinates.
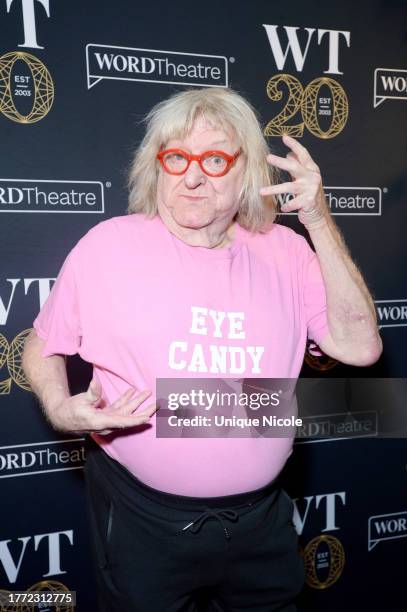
(227, 514)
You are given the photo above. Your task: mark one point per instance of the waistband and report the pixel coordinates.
(117, 476)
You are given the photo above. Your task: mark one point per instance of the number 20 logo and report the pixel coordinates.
(305, 101)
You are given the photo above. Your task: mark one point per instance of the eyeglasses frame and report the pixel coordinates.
(230, 159)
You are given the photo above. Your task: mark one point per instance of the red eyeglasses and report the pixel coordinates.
(212, 163)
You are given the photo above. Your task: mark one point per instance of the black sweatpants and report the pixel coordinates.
(159, 552)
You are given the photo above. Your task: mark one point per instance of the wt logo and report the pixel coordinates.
(11, 558)
(30, 31)
(299, 56)
(328, 503)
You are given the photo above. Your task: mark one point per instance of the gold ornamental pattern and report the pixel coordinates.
(41, 91)
(309, 104)
(336, 561)
(11, 357)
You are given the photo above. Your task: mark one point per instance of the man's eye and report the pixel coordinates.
(215, 161)
(174, 157)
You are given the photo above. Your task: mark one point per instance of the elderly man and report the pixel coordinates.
(198, 280)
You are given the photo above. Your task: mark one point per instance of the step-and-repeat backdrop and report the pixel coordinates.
(76, 79)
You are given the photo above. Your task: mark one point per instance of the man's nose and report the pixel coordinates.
(194, 176)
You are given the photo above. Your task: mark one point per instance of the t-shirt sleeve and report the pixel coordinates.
(58, 322)
(314, 297)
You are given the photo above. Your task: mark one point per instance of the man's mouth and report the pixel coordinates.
(194, 198)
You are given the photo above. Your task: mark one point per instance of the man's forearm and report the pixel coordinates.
(46, 375)
(350, 308)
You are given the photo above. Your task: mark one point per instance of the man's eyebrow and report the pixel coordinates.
(216, 142)
(213, 144)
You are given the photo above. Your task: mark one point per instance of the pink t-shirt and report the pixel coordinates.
(138, 303)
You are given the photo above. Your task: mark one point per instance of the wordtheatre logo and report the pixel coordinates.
(324, 556)
(322, 104)
(391, 313)
(153, 66)
(336, 408)
(349, 201)
(383, 527)
(389, 84)
(41, 457)
(37, 195)
(16, 555)
(339, 426)
(26, 86)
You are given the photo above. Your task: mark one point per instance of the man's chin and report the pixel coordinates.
(191, 221)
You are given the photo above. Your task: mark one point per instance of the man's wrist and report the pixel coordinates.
(52, 395)
(314, 218)
(317, 224)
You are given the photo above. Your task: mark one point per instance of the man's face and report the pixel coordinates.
(195, 200)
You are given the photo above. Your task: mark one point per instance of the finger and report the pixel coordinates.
(130, 409)
(150, 410)
(128, 404)
(142, 417)
(105, 423)
(296, 203)
(123, 399)
(291, 165)
(110, 421)
(288, 187)
(302, 153)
